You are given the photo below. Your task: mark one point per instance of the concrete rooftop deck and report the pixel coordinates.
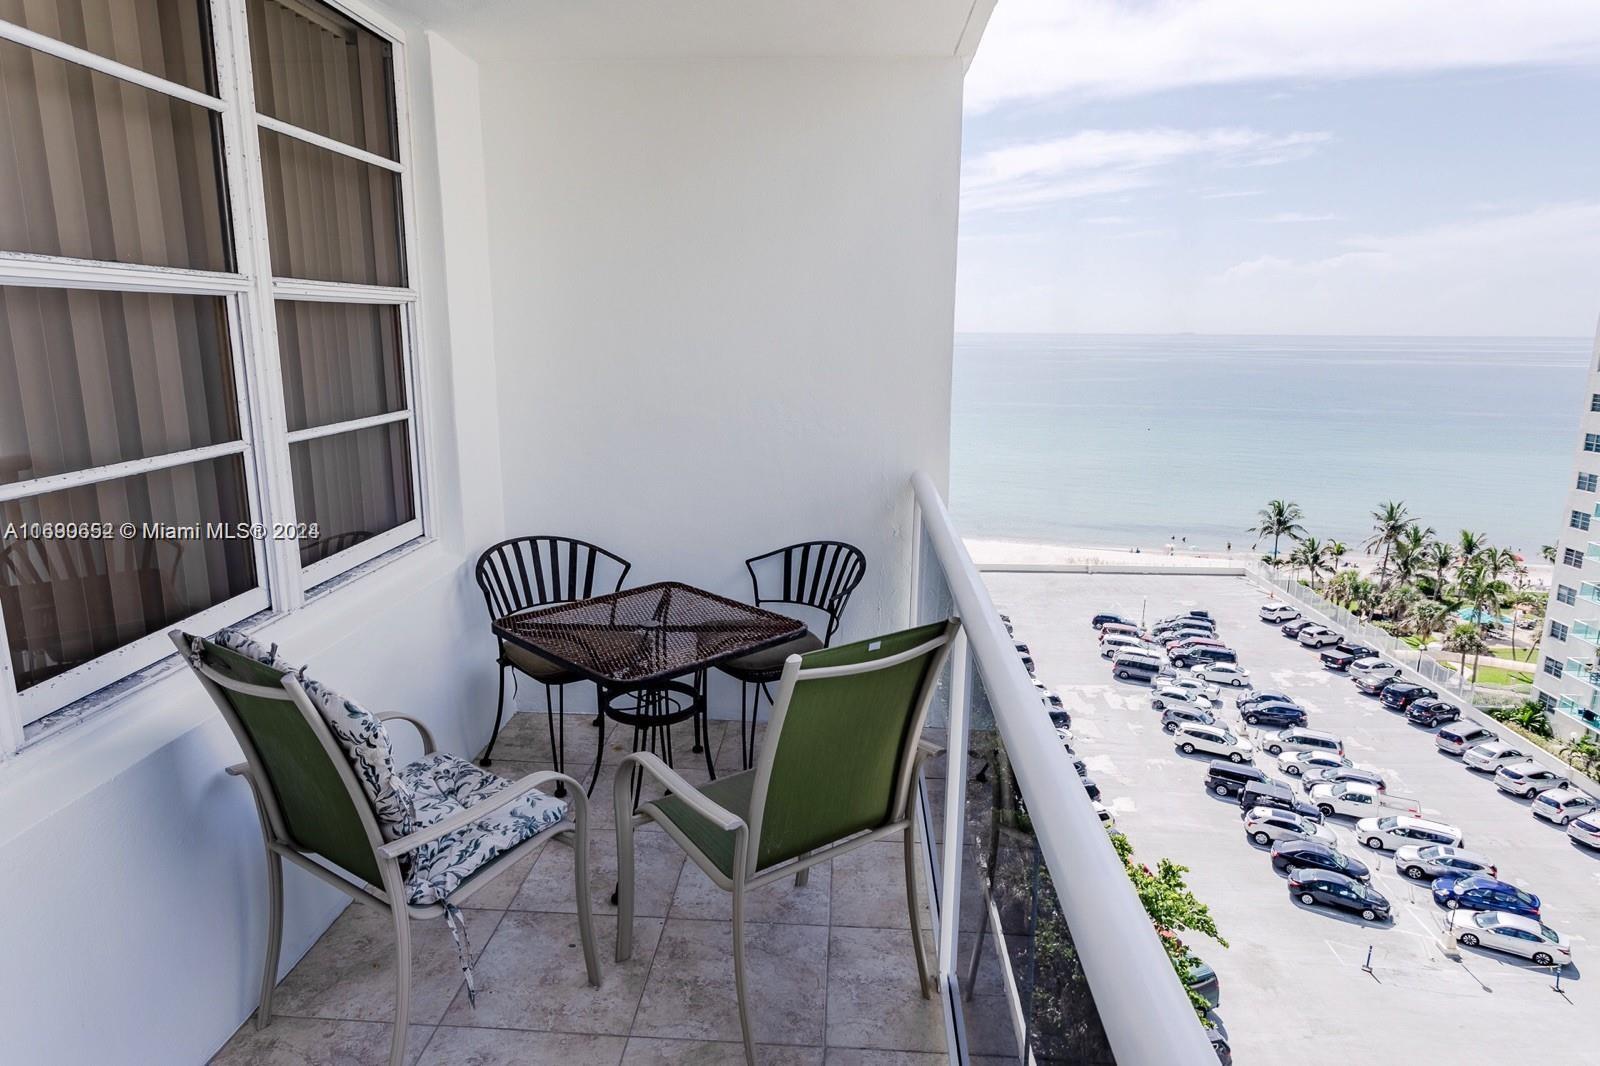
(833, 979)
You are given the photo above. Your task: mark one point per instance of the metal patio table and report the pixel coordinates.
(648, 650)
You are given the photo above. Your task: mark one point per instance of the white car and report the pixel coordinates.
(1440, 860)
(1113, 644)
(1457, 738)
(1491, 755)
(1194, 737)
(1585, 830)
(1395, 831)
(1171, 695)
(1354, 800)
(1318, 637)
(1193, 684)
(1562, 805)
(1527, 779)
(1111, 629)
(1230, 674)
(1373, 668)
(1278, 612)
(1513, 933)
(1297, 763)
(1268, 825)
(1302, 739)
(1106, 818)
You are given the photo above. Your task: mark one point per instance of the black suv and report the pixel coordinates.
(1292, 629)
(1399, 697)
(1431, 711)
(1315, 855)
(1202, 654)
(1262, 697)
(1273, 714)
(1374, 686)
(1101, 619)
(1276, 794)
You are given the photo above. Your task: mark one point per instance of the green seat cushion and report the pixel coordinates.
(537, 666)
(731, 793)
(767, 664)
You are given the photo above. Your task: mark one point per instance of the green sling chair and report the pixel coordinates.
(837, 771)
(463, 826)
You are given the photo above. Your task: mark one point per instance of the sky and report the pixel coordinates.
(1423, 167)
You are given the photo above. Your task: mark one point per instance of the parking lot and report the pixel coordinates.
(1292, 982)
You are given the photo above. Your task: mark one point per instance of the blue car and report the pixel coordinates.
(1479, 893)
(1273, 714)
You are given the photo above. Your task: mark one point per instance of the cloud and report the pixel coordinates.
(1102, 162)
(1446, 279)
(1286, 217)
(1035, 49)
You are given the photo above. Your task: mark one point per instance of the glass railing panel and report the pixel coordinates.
(1021, 985)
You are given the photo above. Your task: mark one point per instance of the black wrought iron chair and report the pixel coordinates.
(815, 574)
(527, 572)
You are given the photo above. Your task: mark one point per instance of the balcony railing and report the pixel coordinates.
(1589, 591)
(1044, 950)
(1584, 670)
(1587, 632)
(1577, 710)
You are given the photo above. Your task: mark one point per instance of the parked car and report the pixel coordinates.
(1220, 1046)
(1267, 825)
(1175, 633)
(1527, 779)
(1475, 892)
(1177, 697)
(1277, 612)
(1199, 656)
(1178, 641)
(1456, 739)
(1585, 830)
(1231, 674)
(1439, 860)
(1358, 774)
(1491, 755)
(1432, 711)
(1212, 740)
(1133, 665)
(1360, 651)
(1363, 668)
(1394, 831)
(1376, 683)
(1359, 801)
(1090, 787)
(1273, 714)
(1229, 779)
(1292, 629)
(1100, 620)
(1050, 700)
(1122, 629)
(1562, 805)
(1316, 855)
(1195, 685)
(1270, 793)
(1261, 697)
(1332, 889)
(1061, 719)
(1299, 763)
(1336, 660)
(1399, 696)
(1203, 981)
(1116, 643)
(1317, 637)
(1005, 620)
(1173, 717)
(1515, 934)
(1302, 740)
(1104, 813)
(1026, 656)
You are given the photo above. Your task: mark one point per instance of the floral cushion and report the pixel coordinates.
(236, 641)
(366, 744)
(443, 784)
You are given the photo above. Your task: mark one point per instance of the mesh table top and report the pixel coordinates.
(646, 634)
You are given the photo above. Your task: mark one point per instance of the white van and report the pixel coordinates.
(1131, 665)
(1373, 668)
(1115, 643)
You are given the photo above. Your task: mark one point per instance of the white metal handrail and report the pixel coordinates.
(1143, 1008)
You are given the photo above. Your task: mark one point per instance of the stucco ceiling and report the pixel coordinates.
(678, 28)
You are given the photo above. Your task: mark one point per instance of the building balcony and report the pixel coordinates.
(1583, 712)
(1590, 592)
(1585, 670)
(1586, 632)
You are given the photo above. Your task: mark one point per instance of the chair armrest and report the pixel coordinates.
(504, 798)
(651, 764)
(422, 730)
(239, 769)
(927, 749)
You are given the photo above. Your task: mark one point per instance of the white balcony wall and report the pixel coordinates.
(134, 887)
(723, 305)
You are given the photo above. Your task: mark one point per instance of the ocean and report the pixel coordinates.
(1123, 441)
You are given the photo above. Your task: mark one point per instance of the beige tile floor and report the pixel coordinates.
(833, 980)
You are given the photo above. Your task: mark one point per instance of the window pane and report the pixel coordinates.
(92, 378)
(340, 361)
(67, 601)
(168, 38)
(97, 168)
(330, 217)
(316, 69)
(353, 486)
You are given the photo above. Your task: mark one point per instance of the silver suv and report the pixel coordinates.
(1176, 716)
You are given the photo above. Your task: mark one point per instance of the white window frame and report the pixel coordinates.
(249, 294)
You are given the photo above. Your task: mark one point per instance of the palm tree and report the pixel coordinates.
(1337, 550)
(1363, 595)
(1388, 522)
(1466, 639)
(1483, 593)
(1409, 550)
(1582, 752)
(1438, 558)
(1468, 545)
(1279, 518)
(1424, 618)
(1313, 555)
(1548, 552)
(1341, 588)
